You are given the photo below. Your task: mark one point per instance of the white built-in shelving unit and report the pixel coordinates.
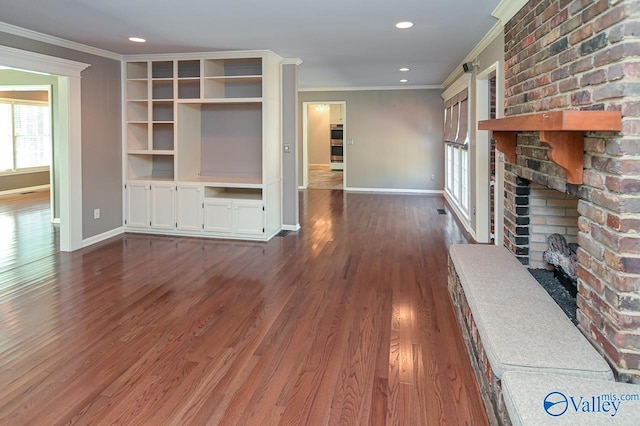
(202, 144)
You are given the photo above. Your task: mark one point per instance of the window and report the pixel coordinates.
(25, 135)
(456, 135)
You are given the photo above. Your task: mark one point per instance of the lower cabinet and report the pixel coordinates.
(194, 209)
(150, 205)
(189, 208)
(163, 204)
(137, 205)
(234, 217)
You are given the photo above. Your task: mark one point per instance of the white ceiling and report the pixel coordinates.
(345, 43)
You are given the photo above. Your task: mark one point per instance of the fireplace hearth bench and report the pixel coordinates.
(518, 338)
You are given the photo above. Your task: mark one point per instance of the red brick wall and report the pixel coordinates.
(585, 54)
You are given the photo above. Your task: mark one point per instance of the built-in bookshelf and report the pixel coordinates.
(209, 123)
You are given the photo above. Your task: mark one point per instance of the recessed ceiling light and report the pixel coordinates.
(137, 39)
(404, 25)
(404, 69)
(404, 80)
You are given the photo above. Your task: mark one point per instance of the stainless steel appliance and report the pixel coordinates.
(337, 153)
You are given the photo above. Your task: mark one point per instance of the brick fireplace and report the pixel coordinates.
(582, 55)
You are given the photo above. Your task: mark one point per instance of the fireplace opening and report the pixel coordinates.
(558, 291)
(544, 226)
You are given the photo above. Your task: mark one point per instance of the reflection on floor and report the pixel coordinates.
(322, 177)
(26, 231)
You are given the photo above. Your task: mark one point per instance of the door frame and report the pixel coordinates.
(305, 140)
(69, 131)
(483, 159)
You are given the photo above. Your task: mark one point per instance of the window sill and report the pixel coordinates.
(25, 171)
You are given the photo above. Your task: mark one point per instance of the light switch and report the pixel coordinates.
(349, 141)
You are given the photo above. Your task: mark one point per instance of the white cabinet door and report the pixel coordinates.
(189, 208)
(248, 217)
(217, 216)
(163, 206)
(138, 205)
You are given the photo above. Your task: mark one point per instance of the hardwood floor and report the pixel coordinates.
(26, 232)
(346, 322)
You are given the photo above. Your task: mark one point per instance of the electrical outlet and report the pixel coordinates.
(96, 213)
(433, 176)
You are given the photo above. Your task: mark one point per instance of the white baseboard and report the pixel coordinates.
(291, 227)
(101, 237)
(27, 189)
(397, 191)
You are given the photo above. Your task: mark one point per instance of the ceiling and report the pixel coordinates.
(344, 44)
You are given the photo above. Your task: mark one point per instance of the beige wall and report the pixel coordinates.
(397, 137)
(318, 136)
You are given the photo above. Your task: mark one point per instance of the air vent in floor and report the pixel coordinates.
(441, 211)
(282, 233)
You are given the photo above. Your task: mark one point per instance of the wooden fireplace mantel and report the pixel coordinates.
(563, 131)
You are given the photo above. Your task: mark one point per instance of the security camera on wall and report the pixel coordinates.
(467, 66)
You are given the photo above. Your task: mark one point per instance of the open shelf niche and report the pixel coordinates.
(220, 143)
(150, 167)
(233, 78)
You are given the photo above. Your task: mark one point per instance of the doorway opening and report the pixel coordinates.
(324, 145)
(27, 194)
(66, 103)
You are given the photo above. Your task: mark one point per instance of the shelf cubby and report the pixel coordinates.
(137, 90)
(150, 167)
(233, 67)
(137, 136)
(216, 192)
(137, 111)
(162, 111)
(137, 70)
(162, 89)
(162, 137)
(233, 87)
(189, 69)
(162, 69)
(189, 88)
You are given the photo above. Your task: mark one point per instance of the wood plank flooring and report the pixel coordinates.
(26, 231)
(346, 322)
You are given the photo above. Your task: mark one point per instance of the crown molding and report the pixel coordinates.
(494, 32)
(229, 54)
(364, 88)
(507, 9)
(292, 61)
(25, 60)
(56, 41)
